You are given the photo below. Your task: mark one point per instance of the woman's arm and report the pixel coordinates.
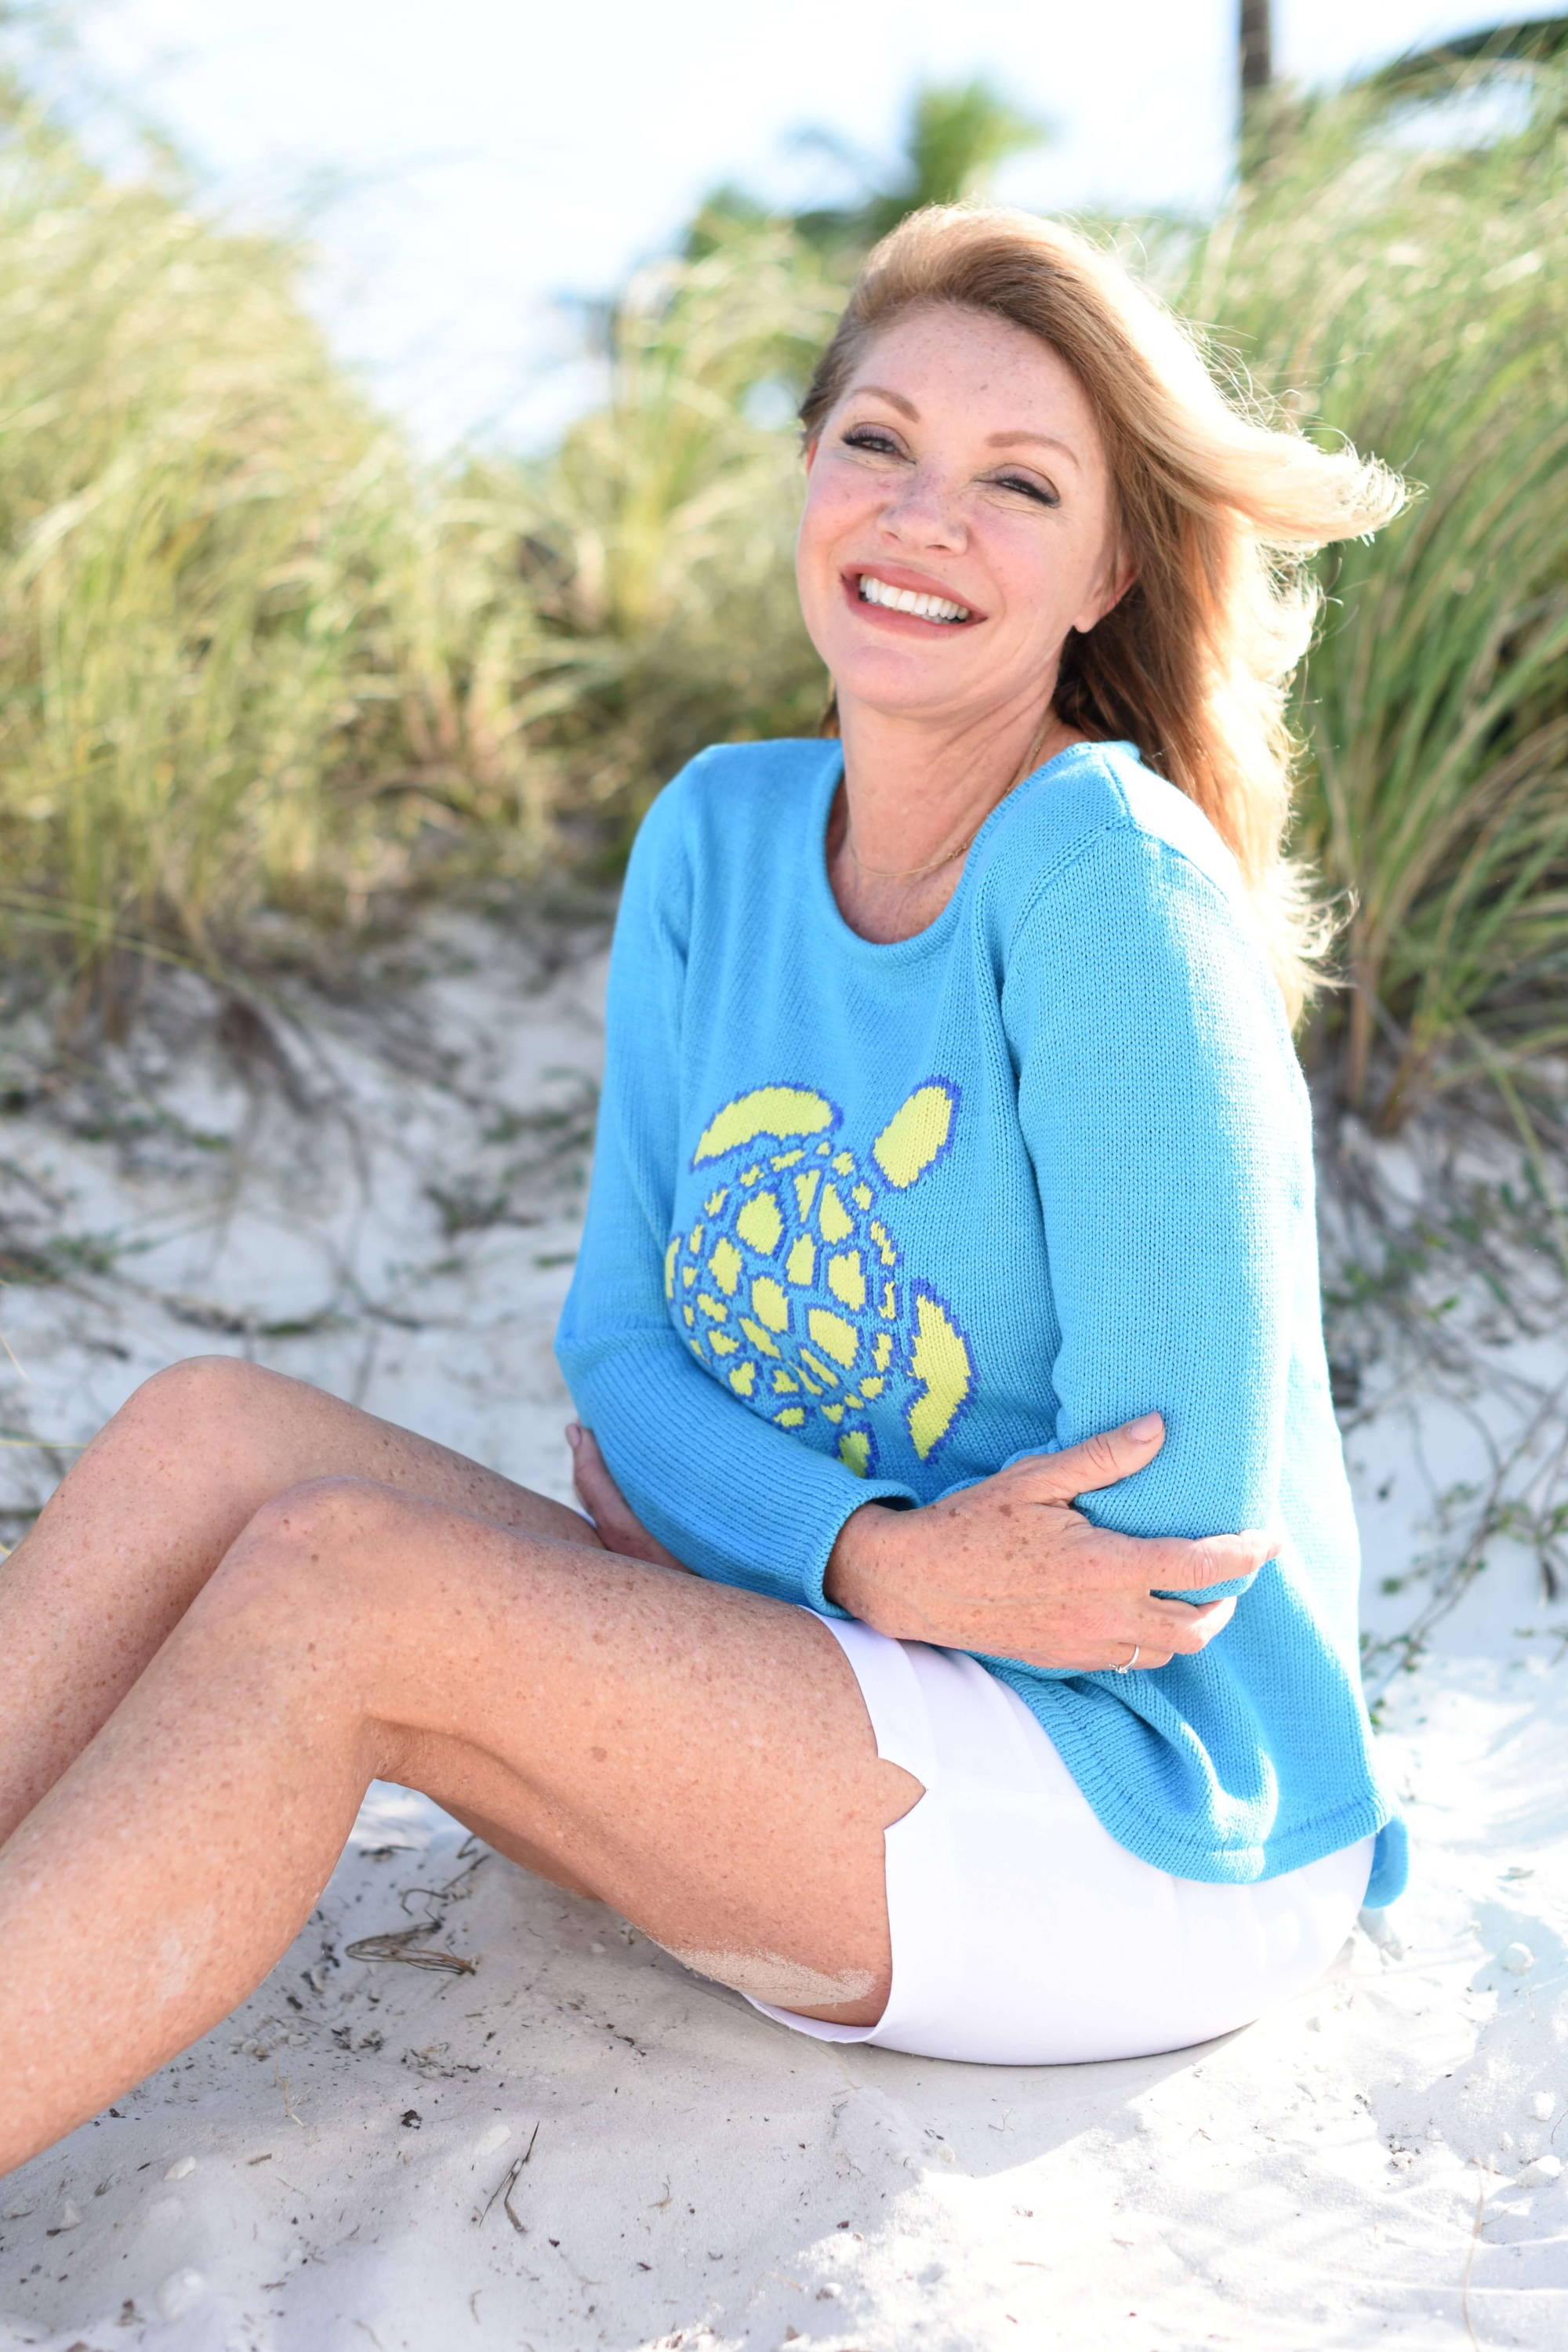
(1006, 1567)
(727, 1493)
(1169, 1129)
(1170, 1132)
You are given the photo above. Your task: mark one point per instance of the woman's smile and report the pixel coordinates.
(892, 596)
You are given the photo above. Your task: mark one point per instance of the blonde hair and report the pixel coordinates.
(1218, 509)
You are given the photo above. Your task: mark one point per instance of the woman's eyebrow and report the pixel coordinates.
(992, 440)
(1049, 440)
(894, 399)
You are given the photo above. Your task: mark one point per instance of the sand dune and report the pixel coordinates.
(567, 2141)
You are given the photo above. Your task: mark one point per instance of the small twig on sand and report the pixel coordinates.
(457, 1890)
(398, 1947)
(504, 2187)
(399, 1944)
(282, 2082)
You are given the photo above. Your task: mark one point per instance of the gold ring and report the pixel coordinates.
(1133, 1661)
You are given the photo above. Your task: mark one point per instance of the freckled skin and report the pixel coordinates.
(247, 1600)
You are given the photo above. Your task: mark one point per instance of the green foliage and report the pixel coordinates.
(955, 137)
(1415, 300)
(659, 555)
(254, 655)
(248, 654)
(1527, 41)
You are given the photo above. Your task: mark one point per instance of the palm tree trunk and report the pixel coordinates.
(1254, 74)
(1254, 50)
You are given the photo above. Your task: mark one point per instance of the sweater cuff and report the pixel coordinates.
(872, 1490)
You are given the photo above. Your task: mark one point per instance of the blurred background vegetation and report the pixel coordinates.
(268, 675)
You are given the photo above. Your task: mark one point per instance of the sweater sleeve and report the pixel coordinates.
(1169, 1129)
(729, 1495)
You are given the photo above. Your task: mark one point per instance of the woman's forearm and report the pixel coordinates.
(855, 1576)
(1009, 1568)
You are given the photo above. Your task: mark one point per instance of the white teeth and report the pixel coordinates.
(904, 600)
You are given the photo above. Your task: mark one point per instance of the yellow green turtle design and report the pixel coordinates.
(791, 1287)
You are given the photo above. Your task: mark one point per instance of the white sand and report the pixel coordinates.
(330, 2169)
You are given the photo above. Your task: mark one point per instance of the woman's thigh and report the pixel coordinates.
(131, 1537)
(208, 1440)
(696, 1755)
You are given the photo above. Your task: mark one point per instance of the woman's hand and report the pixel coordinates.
(618, 1526)
(1010, 1569)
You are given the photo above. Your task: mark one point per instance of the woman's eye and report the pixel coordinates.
(1037, 490)
(870, 436)
(880, 443)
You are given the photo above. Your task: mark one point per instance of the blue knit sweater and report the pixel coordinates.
(869, 1222)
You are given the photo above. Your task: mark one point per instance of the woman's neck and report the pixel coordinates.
(912, 800)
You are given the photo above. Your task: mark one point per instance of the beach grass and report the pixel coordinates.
(1413, 299)
(259, 659)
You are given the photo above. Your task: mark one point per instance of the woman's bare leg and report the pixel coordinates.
(699, 1755)
(135, 1529)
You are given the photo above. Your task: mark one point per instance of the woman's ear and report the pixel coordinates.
(1123, 581)
(1123, 575)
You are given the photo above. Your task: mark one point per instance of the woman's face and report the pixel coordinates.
(963, 464)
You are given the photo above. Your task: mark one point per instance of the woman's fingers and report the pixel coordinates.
(1162, 1631)
(1174, 1627)
(1094, 1462)
(1108, 1656)
(618, 1525)
(1186, 1564)
(599, 1495)
(594, 1487)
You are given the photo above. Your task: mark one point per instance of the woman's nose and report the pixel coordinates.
(925, 509)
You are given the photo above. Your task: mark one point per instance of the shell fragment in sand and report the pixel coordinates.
(1543, 2105)
(181, 2168)
(1540, 2170)
(1517, 1957)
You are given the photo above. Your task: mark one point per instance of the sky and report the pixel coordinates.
(463, 163)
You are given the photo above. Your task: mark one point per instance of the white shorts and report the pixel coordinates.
(1023, 1934)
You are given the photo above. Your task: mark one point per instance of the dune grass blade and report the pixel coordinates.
(663, 526)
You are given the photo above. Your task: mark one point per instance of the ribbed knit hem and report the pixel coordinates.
(1186, 1852)
(872, 1490)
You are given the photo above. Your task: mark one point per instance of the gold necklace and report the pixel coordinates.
(907, 873)
(917, 873)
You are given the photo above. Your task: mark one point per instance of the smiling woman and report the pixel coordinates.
(944, 468)
(953, 1167)
(1030, 933)
(1131, 539)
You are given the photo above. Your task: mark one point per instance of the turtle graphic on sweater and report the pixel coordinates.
(791, 1287)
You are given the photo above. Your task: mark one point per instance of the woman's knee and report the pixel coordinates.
(202, 1407)
(321, 1553)
(322, 1522)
